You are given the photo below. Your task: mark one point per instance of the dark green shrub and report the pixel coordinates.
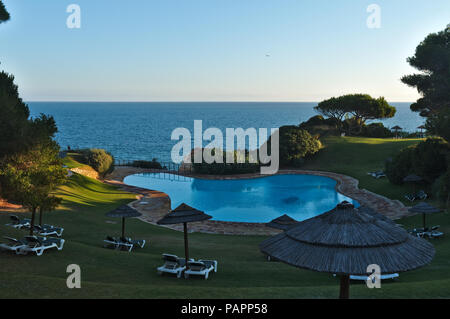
(147, 164)
(427, 159)
(376, 130)
(99, 159)
(430, 159)
(321, 126)
(227, 168)
(296, 144)
(400, 166)
(441, 188)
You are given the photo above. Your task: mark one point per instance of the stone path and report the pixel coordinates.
(154, 205)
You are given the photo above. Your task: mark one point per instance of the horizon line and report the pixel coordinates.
(112, 101)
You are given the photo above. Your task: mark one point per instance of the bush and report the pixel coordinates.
(98, 159)
(441, 188)
(226, 168)
(296, 144)
(400, 166)
(147, 164)
(319, 125)
(376, 130)
(428, 160)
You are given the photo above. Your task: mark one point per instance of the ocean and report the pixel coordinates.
(142, 131)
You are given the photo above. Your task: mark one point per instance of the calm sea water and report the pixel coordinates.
(142, 130)
(256, 200)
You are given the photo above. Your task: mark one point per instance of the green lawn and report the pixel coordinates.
(243, 271)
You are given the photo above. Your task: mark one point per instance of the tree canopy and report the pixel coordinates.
(4, 15)
(432, 59)
(359, 107)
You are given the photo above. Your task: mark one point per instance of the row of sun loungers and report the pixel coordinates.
(175, 265)
(377, 175)
(420, 195)
(32, 244)
(44, 230)
(123, 243)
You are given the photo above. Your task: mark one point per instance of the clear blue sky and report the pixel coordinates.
(214, 50)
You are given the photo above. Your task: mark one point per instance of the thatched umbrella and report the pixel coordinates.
(345, 241)
(424, 209)
(421, 128)
(396, 129)
(413, 179)
(283, 222)
(184, 214)
(123, 212)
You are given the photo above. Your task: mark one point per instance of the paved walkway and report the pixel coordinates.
(154, 205)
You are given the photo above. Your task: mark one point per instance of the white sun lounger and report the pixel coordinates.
(13, 244)
(48, 230)
(172, 265)
(135, 242)
(40, 244)
(200, 268)
(111, 242)
(18, 223)
(383, 277)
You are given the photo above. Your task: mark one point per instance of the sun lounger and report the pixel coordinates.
(377, 175)
(201, 268)
(135, 242)
(13, 244)
(383, 277)
(172, 265)
(421, 195)
(18, 223)
(48, 230)
(410, 197)
(111, 242)
(40, 244)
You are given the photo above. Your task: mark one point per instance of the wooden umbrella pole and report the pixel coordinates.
(123, 227)
(345, 287)
(186, 246)
(424, 222)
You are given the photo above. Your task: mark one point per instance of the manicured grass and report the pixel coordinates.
(356, 157)
(243, 271)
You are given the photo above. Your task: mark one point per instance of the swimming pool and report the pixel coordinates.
(257, 200)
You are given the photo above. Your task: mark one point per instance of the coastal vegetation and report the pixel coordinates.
(99, 159)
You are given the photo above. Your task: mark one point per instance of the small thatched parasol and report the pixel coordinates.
(123, 212)
(424, 209)
(396, 129)
(184, 214)
(345, 241)
(283, 222)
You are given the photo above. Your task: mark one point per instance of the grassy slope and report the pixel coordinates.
(243, 272)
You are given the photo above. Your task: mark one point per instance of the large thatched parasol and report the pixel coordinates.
(123, 212)
(283, 222)
(184, 214)
(424, 209)
(345, 241)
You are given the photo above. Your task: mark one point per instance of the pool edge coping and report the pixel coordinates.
(160, 202)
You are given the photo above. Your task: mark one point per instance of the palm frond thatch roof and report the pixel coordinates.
(283, 222)
(424, 208)
(123, 211)
(183, 214)
(347, 240)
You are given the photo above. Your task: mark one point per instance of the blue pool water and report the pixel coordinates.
(256, 200)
